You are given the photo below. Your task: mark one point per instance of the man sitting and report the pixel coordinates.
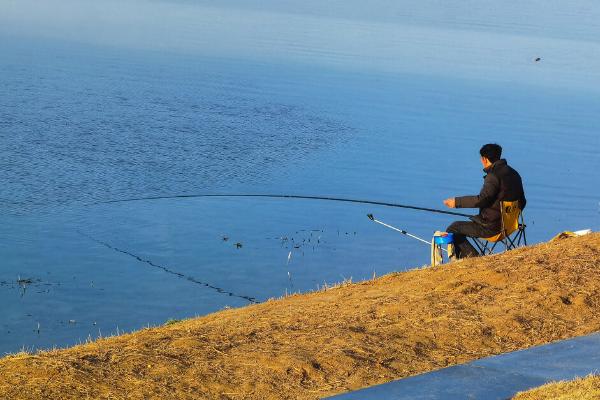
(501, 183)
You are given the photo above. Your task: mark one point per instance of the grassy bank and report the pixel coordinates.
(332, 341)
(587, 388)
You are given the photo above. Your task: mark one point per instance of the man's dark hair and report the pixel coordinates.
(491, 151)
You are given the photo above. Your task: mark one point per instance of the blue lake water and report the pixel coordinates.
(388, 102)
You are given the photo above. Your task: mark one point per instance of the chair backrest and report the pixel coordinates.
(510, 212)
(512, 220)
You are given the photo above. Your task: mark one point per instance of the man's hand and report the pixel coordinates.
(450, 202)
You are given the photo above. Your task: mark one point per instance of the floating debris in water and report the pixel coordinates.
(168, 270)
(23, 284)
(290, 280)
(289, 257)
(238, 245)
(538, 59)
(25, 281)
(72, 321)
(225, 238)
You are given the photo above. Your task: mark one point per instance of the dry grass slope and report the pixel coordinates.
(587, 388)
(322, 343)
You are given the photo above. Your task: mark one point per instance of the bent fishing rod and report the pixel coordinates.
(288, 196)
(402, 231)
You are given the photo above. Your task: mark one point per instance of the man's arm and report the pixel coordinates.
(485, 198)
(522, 202)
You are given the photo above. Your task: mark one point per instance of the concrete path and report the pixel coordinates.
(498, 377)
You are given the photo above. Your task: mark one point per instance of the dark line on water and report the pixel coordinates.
(169, 271)
(287, 196)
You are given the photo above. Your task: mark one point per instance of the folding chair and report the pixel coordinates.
(512, 234)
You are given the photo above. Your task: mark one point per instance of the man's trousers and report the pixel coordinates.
(464, 229)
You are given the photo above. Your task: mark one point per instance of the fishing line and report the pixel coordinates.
(288, 196)
(168, 270)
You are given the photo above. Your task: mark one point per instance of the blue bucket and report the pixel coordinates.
(446, 239)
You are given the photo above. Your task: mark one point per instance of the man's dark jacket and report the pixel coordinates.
(501, 183)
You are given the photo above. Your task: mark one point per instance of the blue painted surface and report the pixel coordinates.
(494, 378)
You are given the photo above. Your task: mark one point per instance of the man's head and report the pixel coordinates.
(490, 153)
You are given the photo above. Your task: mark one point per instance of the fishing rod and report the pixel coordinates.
(288, 196)
(402, 231)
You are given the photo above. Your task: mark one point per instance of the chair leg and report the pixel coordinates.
(512, 243)
(480, 246)
(519, 239)
(516, 242)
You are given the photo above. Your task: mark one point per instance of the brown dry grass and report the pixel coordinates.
(322, 343)
(581, 389)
